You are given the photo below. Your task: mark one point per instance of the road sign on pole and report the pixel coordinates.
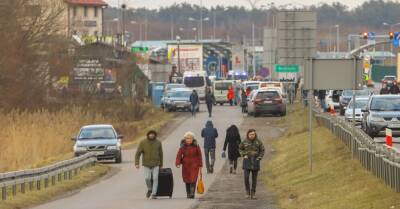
(396, 39)
(287, 68)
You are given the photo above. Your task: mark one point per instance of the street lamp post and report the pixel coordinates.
(337, 40)
(178, 39)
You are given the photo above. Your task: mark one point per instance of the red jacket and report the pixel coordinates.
(231, 93)
(189, 156)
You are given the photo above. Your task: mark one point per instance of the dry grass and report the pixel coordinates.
(84, 178)
(33, 139)
(337, 182)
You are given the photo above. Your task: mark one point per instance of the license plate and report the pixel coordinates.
(99, 153)
(267, 102)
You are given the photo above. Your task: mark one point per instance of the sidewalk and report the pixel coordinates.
(228, 193)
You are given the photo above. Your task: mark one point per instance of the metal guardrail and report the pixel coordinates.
(381, 160)
(41, 178)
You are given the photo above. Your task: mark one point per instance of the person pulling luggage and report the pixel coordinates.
(232, 141)
(209, 133)
(252, 150)
(152, 161)
(189, 156)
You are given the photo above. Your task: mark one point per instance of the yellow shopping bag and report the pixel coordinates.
(200, 184)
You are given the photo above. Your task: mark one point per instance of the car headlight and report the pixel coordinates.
(114, 147)
(377, 119)
(79, 149)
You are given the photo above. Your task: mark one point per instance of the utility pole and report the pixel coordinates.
(254, 50)
(214, 24)
(201, 20)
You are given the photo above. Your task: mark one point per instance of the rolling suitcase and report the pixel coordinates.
(165, 183)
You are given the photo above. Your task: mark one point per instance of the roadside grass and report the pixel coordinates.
(30, 198)
(337, 181)
(35, 139)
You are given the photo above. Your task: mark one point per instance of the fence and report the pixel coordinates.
(41, 178)
(383, 161)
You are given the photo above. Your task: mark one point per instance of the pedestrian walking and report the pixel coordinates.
(384, 89)
(232, 142)
(194, 101)
(210, 101)
(291, 91)
(321, 97)
(152, 160)
(189, 156)
(252, 150)
(243, 102)
(210, 134)
(395, 89)
(231, 95)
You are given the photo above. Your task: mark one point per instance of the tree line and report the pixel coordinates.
(234, 21)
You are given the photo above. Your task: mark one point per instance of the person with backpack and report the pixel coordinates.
(194, 101)
(209, 133)
(152, 161)
(232, 142)
(210, 100)
(189, 157)
(252, 150)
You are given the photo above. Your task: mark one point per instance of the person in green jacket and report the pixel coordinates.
(152, 161)
(252, 150)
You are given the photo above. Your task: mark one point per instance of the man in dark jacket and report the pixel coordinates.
(252, 150)
(321, 97)
(384, 90)
(209, 133)
(395, 89)
(210, 100)
(194, 101)
(152, 161)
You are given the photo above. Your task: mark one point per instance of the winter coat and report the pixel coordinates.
(194, 99)
(189, 156)
(252, 152)
(321, 94)
(232, 141)
(231, 94)
(395, 89)
(243, 103)
(384, 91)
(209, 133)
(210, 99)
(152, 153)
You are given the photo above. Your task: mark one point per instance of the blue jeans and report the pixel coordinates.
(322, 103)
(194, 109)
(151, 177)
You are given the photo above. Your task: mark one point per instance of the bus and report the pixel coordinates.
(196, 80)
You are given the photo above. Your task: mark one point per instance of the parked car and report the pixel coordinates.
(361, 103)
(266, 102)
(382, 111)
(171, 86)
(332, 99)
(220, 89)
(177, 99)
(102, 140)
(347, 95)
(390, 80)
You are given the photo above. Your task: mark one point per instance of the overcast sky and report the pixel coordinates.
(155, 4)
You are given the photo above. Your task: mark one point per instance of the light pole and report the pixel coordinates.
(178, 39)
(201, 20)
(200, 24)
(337, 40)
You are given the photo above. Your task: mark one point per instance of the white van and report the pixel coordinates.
(196, 80)
(220, 90)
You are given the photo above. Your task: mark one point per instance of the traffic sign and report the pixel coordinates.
(396, 39)
(287, 68)
(371, 35)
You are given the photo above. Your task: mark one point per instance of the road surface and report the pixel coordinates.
(126, 189)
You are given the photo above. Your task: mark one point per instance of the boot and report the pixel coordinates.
(248, 196)
(230, 170)
(253, 195)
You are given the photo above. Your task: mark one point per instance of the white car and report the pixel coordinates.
(361, 103)
(331, 101)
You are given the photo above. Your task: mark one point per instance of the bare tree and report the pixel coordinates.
(33, 33)
(253, 3)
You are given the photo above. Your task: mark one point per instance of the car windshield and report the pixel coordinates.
(180, 94)
(267, 95)
(253, 86)
(97, 133)
(194, 82)
(364, 92)
(386, 104)
(222, 86)
(360, 104)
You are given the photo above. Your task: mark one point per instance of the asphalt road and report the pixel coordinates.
(126, 189)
